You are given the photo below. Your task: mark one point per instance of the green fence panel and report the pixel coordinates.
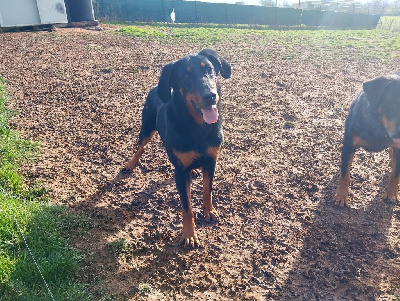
(111, 9)
(289, 16)
(147, 11)
(373, 21)
(326, 19)
(211, 12)
(310, 17)
(221, 13)
(359, 21)
(186, 12)
(341, 20)
(266, 15)
(240, 14)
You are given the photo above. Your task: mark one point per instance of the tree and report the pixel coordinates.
(396, 7)
(268, 3)
(378, 6)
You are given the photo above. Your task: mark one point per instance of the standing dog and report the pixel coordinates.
(373, 123)
(185, 109)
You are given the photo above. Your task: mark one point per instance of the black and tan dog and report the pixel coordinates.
(373, 123)
(185, 109)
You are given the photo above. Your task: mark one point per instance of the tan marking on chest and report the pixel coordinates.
(214, 151)
(186, 158)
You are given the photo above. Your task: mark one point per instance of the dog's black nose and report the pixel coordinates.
(209, 98)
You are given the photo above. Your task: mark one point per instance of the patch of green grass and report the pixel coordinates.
(290, 125)
(204, 35)
(190, 34)
(143, 290)
(120, 246)
(44, 228)
(142, 31)
(331, 44)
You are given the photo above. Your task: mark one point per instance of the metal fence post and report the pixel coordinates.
(195, 11)
(126, 10)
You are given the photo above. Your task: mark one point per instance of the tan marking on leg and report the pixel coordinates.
(210, 214)
(135, 159)
(390, 125)
(186, 158)
(342, 191)
(189, 237)
(392, 189)
(359, 142)
(214, 151)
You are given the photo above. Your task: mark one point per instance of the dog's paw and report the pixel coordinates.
(391, 195)
(126, 170)
(392, 189)
(211, 215)
(190, 242)
(123, 173)
(341, 199)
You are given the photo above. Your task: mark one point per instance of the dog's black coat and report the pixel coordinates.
(373, 123)
(185, 110)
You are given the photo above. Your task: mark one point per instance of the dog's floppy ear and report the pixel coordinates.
(219, 63)
(165, 83)
(374, 90)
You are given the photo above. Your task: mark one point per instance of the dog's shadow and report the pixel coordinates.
(119, 181)
(344, 254)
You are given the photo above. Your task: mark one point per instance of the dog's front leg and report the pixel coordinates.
(392, 190)
(189, 237)
(342, 191)
(210, 214)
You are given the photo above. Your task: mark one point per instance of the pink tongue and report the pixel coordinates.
(210, 115)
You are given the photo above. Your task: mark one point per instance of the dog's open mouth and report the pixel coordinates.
(210, 114)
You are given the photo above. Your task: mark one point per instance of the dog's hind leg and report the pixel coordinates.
(392, 189)
(147, 132)
(142, 143)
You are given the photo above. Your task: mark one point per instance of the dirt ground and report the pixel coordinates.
(280, 237)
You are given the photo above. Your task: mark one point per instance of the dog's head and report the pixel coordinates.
(194, 77)
(383, 94)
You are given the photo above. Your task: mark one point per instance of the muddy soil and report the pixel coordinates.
(79, 93)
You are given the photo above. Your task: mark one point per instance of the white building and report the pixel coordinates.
(41, 12)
